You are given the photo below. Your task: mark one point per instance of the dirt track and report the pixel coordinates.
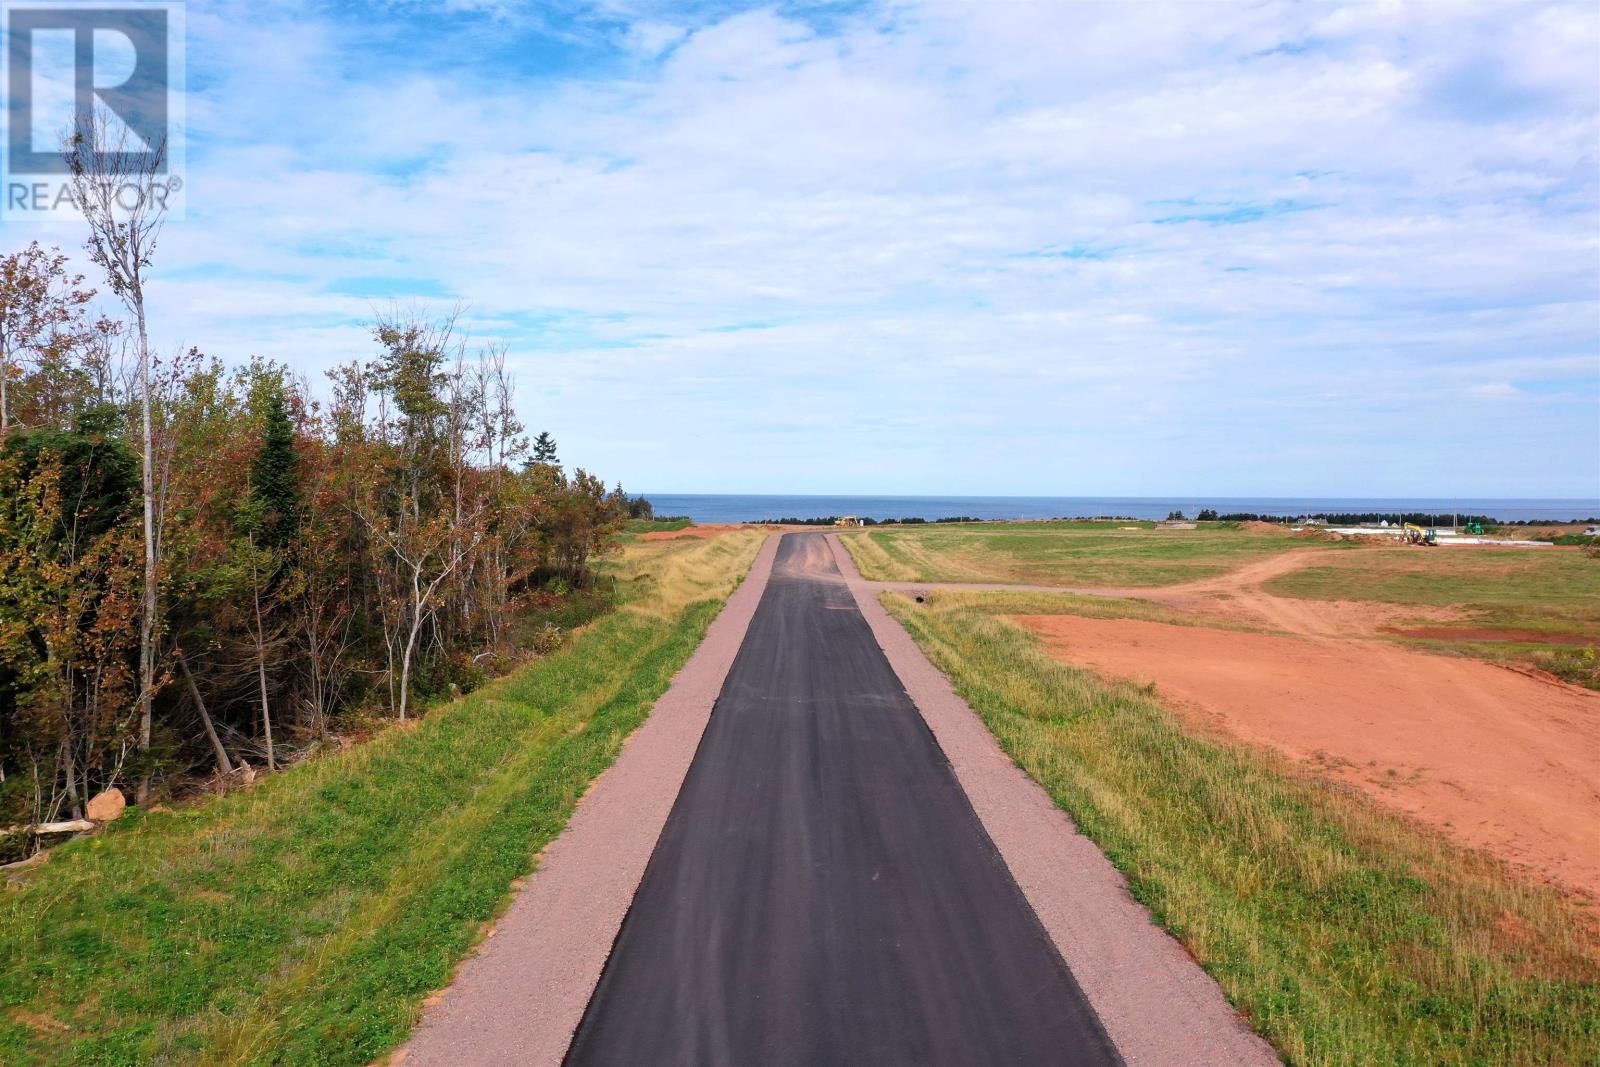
(1498, 759)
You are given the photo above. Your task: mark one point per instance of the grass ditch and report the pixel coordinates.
(1345, 934)
(303, 921)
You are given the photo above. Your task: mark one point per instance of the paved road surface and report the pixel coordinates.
(823, 892)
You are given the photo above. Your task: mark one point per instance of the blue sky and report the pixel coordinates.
(1248, 248)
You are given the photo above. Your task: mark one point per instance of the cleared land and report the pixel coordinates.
(303, 922)
(1347, 931)
(1500, 759)
(1103, 555)
(1497, 759)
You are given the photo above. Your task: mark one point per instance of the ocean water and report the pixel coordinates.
(716, 507)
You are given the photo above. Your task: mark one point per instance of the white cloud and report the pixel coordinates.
(939, 229)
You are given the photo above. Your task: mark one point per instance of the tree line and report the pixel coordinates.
(204, 567)
(1349, 518)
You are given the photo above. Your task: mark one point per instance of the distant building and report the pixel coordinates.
(848, 520)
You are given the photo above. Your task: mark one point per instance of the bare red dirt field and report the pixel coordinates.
(1496, 758)
(709, 530)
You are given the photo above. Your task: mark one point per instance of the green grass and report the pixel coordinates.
(303, 921)
(1068, 554)
(1548, 589)
(639, 526)
(1345, 934)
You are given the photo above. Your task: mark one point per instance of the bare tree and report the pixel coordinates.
(425, 557)
(122, 195)
(500, 436)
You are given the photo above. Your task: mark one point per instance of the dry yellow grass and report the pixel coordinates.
(663, 577)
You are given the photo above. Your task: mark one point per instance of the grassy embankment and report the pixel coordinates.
(1554, 591)
(1061, 553)
(1345, 934)
(303, 921)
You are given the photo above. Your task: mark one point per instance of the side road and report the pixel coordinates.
(519, 999)
(1157, 1005)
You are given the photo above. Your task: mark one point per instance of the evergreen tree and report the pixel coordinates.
(275, 474)
(544, 450)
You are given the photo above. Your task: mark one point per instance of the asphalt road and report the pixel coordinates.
(823, 892)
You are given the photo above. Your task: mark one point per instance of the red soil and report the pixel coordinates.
(709, 530)
(1497, 759)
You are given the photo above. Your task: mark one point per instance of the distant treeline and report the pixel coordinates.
(1352, 518)
(829, 520)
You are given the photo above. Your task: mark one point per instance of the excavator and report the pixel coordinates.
(1416, 535)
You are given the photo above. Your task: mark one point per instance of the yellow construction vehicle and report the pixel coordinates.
(1416, 535)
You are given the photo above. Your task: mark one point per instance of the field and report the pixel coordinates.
(1109, 554)
(1540, 606)
(1537, 607)
(1345, 933)
(303, 921)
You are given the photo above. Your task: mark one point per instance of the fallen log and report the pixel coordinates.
(19, 843)
(32, 861)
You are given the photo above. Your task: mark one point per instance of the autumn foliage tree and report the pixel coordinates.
(324, 559)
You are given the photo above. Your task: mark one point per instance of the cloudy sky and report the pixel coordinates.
(1247, 248)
